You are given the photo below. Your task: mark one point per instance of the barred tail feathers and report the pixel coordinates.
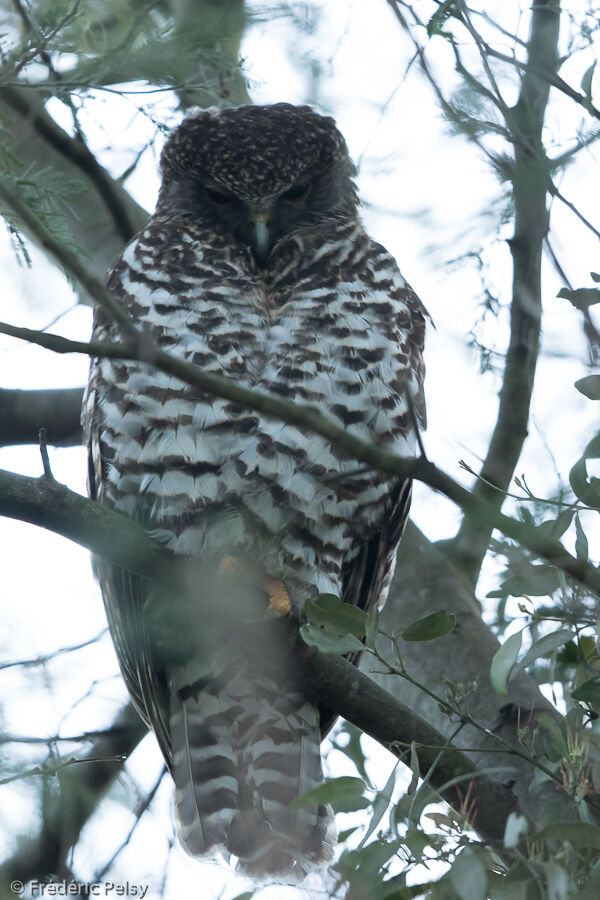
(242, 751)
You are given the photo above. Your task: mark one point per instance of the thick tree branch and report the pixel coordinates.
(334, 682)
(311, 420)
(338, 684)
(457, 665)
(530, 186)
(23, 413)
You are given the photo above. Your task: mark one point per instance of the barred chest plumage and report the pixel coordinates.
(202, 468)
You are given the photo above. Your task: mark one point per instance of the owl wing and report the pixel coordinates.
(367, 576)
(123, 592)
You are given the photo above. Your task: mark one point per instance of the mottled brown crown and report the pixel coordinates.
(254, 151)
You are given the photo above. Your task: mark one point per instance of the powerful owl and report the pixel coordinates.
(255, 266)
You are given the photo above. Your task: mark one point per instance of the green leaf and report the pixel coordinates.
(414, 767)
(506, 888)
(581, 833)
(588, 491)
(329, 643)
(336, 616)
(247, 895)
(441, 820)
(589, 386)
(430, 627)
(587, 645)
(410, 892)
(586, 80)
(346, 794)
(581, 541)
(380, 805)
(557, 738)
(412, 806)
(353, 749)
(345, 834)
(503, 662)
(556, 527)
(581, 298)
(568, 655)
(533, 581)
(595, 276)
(544, 646)
(369, 860)
(588, 692)
(416, 841)
(468, 875)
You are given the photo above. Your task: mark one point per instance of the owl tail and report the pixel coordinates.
(244, 747)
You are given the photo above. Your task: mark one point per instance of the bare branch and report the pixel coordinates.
(29, 498)
(530, 185)
(556, 193)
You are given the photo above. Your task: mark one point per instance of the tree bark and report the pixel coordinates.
(530, 180)
(23, 413)
(426, 581)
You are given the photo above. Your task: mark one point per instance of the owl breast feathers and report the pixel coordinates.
(255, 266)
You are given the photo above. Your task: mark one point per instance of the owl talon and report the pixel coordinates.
(279, 599)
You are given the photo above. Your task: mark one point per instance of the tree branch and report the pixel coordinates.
(333, 681)
(23, 413)
(482, 513)
(456, 668)
(530, 185)
(338, 684)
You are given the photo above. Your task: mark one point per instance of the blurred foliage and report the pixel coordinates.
(192, 47)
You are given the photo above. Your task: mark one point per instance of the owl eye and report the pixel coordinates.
(219, 198)
(296, 193)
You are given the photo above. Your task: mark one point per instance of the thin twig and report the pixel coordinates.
(138, 813)
(55, 768)
(552, 189)
(44, 455)
(42, 660)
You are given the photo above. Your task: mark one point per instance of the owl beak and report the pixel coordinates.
(261, 236)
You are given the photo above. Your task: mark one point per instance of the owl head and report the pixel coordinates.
(258, 172)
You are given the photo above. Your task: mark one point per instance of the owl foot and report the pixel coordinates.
(279, 599)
